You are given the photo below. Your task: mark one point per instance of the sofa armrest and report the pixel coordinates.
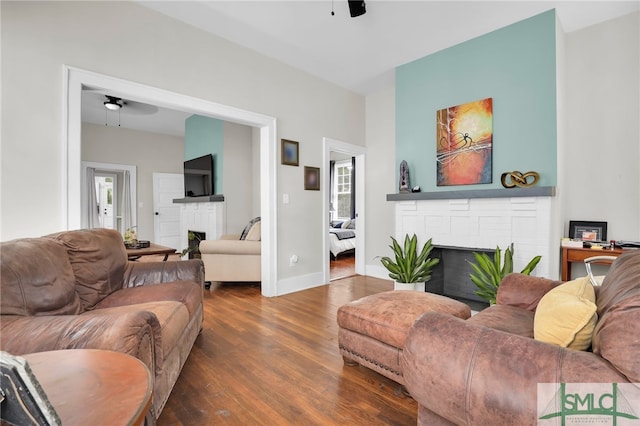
(133, 333)
(240, 247)
(523, 291)
(471, 374)
(147, 273)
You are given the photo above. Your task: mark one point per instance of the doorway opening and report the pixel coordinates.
(75, 79)
(342, 220)
(345, 153)
(107, 198)
(106, 186)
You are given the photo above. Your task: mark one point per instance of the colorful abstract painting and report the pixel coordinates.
(465, 140)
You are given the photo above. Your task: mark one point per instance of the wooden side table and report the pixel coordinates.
(153, 249)
(90, 387)
(575, 254)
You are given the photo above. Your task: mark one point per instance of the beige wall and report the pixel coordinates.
(159, 153)
(601, 111)
(601, 171)
(598, 138)
(149, 152)
(38, 38)
(238, 179)
(380, 178)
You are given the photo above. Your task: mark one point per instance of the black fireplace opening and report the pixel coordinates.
(194, 238)
(450, 277)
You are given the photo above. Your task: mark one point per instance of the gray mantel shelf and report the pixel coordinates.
(536, 191)
(206, 199)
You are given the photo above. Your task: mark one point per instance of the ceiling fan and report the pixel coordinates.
(98, 98)
(112, 103)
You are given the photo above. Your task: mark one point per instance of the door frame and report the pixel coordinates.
(155, 176)
(332, 145)
(73, 81)
(107, 167)
(115, 194)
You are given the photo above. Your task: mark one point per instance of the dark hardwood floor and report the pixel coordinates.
(342, 267)
(275, 361)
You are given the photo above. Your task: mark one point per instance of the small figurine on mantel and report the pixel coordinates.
(405, 183)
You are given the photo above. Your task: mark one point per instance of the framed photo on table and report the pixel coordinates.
(587, 231)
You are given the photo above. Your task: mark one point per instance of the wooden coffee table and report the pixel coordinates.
(90, 387)
(153, 249)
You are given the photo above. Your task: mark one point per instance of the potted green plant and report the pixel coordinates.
(195, 248)
(409, 266)
(487, 273)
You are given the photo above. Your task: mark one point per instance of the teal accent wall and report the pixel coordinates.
(516, 66)
(202, 136)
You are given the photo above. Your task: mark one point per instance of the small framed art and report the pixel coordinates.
(312, 178)
(587, 231)
(290, 152)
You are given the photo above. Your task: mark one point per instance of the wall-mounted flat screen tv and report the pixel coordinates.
(198, 177)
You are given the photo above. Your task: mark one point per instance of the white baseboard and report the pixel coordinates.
(301, 282)
(304, 282)
(377, 271)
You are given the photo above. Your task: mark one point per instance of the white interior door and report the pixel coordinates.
(105, 202)
(166, 219)
(107, 194)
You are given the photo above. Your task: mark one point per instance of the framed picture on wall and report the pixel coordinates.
(289, 152)
(312, 178)
(587, 231)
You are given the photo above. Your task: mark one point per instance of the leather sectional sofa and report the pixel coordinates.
(77, 290)
(486, 370)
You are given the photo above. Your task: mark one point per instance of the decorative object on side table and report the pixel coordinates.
(290, 152)
(130, 235)
(24, 400)
(405, 181)
(137, 244)
(312, 178)
(131, 240)
(519, 179)
(488, 274)
(409, 267)
(587, 231)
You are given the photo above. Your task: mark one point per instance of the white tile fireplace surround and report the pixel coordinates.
(476, 223)
(207, 217)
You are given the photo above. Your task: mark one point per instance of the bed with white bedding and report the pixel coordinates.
(342, 237)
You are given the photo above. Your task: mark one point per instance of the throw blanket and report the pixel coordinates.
(343, 234)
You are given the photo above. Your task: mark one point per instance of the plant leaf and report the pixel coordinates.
(531, 265)
(409, 265)
(508, 262)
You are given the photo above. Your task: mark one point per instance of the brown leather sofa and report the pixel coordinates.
(485, 370)
(77, 290)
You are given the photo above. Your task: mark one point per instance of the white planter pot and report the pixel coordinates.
(404, 286)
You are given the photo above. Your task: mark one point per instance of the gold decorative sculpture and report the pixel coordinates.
(519, 179)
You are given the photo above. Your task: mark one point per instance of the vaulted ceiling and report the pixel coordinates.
(361, 53)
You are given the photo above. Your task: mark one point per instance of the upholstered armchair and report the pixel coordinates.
(233, 258)
(486, 370)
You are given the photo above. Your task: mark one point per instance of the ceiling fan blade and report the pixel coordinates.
(138, 108)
